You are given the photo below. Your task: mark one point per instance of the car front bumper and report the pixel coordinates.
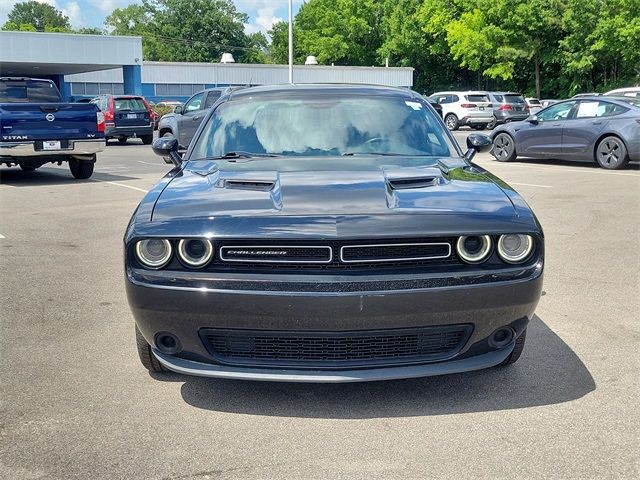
(183, 308)
(29, 149)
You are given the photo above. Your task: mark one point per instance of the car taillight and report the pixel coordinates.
(149, 109)
(504, 107)
(468, 105)
(100, 121)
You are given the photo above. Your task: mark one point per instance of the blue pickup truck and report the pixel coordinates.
(37, 127)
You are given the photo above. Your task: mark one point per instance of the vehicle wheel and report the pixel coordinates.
(492, 124)
(504, 148)
(148, 360)
(167, 133)
(611, 153)
(480, 127)
(122, 139)
(517, 350)
(81, 169)
(451, 121)
(27, 168)
(146, 139)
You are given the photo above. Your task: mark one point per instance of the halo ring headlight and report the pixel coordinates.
(154, 253)
(515, 247)
(474, 248)
(195, 252)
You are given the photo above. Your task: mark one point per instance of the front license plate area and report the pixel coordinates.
(51, 145)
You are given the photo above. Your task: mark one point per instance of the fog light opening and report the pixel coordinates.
(168, 343)
(502, 337)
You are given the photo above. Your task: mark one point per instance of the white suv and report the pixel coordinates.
(465, 108)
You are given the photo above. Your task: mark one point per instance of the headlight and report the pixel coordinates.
(154, 252)
(474, 248)
(195, 252)
(515, 248)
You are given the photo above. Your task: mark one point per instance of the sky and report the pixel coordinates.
(91, 13)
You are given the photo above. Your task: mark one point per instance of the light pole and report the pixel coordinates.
(290, 41)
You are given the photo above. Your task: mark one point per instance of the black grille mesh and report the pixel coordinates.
(314, 349)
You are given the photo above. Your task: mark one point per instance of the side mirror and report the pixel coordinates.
(178, 109)
(167, 148)
(477, 142)
(533, 119)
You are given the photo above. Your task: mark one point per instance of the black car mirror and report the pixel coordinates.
(477, 143)
(167, 148)
(533, 119)
(178, 109)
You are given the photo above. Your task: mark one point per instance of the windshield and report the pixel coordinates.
(324, 125)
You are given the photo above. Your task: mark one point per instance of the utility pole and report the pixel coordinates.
(290, 41)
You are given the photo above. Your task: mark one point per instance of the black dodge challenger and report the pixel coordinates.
(329, 233)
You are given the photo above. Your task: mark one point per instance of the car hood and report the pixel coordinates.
(270, 187)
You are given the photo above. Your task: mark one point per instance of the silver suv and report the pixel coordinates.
(464, 108)
(507, 107)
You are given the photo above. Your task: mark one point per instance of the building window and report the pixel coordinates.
(178, 89)
(77, 88)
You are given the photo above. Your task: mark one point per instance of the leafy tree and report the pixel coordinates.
(41, 16)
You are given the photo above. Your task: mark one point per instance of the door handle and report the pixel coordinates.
(196, 119)
(596, 123)
(556, 125)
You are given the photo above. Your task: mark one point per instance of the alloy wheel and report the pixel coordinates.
(503, 147)
(610, 152)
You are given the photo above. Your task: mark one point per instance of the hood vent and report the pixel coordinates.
(256, 185)
(414, 182)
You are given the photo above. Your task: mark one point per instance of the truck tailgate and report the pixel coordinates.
(48, 121)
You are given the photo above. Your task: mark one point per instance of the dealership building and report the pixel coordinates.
(84, 66)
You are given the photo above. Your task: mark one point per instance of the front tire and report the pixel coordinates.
(81, 169)
(492, 124)
(504, 148)
(147, 139)
(517, 350)
(147, 358)
(122, 140)
(611, 153)
(451, 121)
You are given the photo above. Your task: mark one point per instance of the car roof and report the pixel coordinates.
(328, 88)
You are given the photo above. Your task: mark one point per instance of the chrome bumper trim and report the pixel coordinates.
(478, 362)
(27, 149)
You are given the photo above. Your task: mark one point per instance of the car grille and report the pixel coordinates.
(332, 254)
(335, 350)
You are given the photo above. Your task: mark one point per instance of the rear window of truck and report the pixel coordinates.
(31, 91)
(133, 104)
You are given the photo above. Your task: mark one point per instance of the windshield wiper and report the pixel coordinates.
(234, 155)
(384, 154)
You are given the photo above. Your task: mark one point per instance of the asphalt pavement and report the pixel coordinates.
(75, 403)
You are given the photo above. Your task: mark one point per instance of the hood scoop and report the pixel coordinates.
(255, 185)
(415, 182)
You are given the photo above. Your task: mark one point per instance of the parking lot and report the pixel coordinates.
(76, 403)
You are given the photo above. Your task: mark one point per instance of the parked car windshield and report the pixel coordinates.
(324, 125)
(29, 91)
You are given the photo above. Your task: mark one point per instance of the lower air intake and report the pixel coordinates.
(335, 350)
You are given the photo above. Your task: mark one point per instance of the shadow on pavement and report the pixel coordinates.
(549, 372)
(52, 176)
(573, 163)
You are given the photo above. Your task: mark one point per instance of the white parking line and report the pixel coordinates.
(117, 184)
(2, 236)
(488, 166)
(154, 164)
(530, 185)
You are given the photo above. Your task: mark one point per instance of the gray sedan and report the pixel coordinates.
(605, 130)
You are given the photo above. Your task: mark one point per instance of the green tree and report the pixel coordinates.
(41, 16)
(340, 31)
